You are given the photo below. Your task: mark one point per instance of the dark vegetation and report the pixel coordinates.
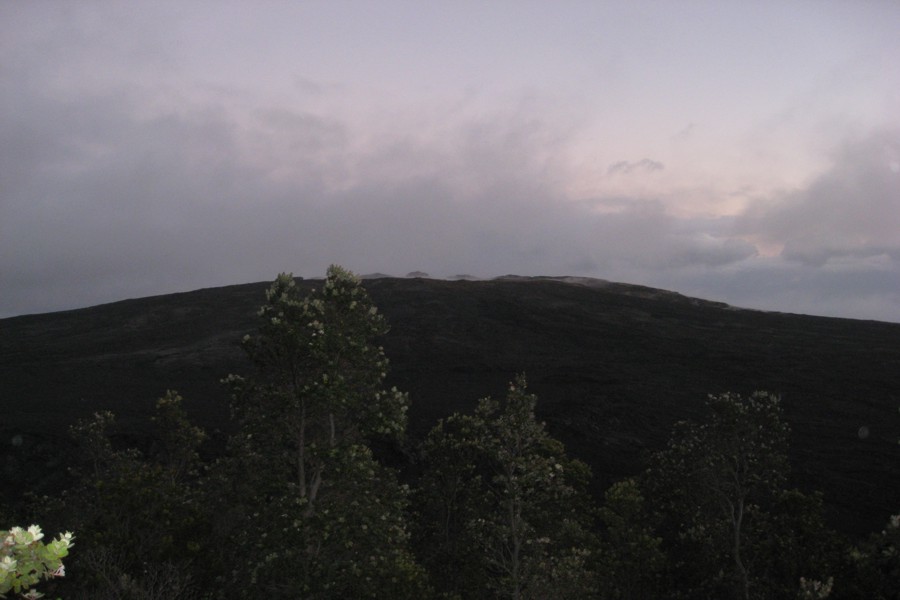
(261, 501)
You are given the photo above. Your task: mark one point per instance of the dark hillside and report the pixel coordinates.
(613, 366)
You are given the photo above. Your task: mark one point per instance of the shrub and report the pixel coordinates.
(25, 560)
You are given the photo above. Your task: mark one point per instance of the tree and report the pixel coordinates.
(319, 378)
(502, 507)
(631, 559)
(874, 566)
(875, 563)
(319, 516)
(791, 542)
(713, 480)
(141, 525)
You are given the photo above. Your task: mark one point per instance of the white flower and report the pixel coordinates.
(35, 532)
(8, 563)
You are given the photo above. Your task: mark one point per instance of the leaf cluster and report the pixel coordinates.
(25, 560)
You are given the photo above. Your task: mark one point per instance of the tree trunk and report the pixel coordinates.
(740, 569)
(301, 452)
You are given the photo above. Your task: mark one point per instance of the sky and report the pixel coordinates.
(744, 152)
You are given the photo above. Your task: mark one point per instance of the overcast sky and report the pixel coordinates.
(747, 152)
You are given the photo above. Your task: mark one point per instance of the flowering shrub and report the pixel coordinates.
(25, 560)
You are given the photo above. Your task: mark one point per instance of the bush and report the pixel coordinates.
(25, 560)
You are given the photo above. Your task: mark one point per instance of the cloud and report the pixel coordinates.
(112, 200)
(626, 168)
(686, 132)
(851, 211)
(117, 185)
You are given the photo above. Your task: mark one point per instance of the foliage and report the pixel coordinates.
(138, 512)
(631, 559)
(317, 368)
(791, 542)
(501, 506)
(25, 560)
(319, 380)
(712, 484)
(301, 489)
(874, 566)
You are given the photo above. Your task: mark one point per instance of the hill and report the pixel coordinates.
(613, 365)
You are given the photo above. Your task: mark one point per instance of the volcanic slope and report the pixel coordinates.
(613, 365)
